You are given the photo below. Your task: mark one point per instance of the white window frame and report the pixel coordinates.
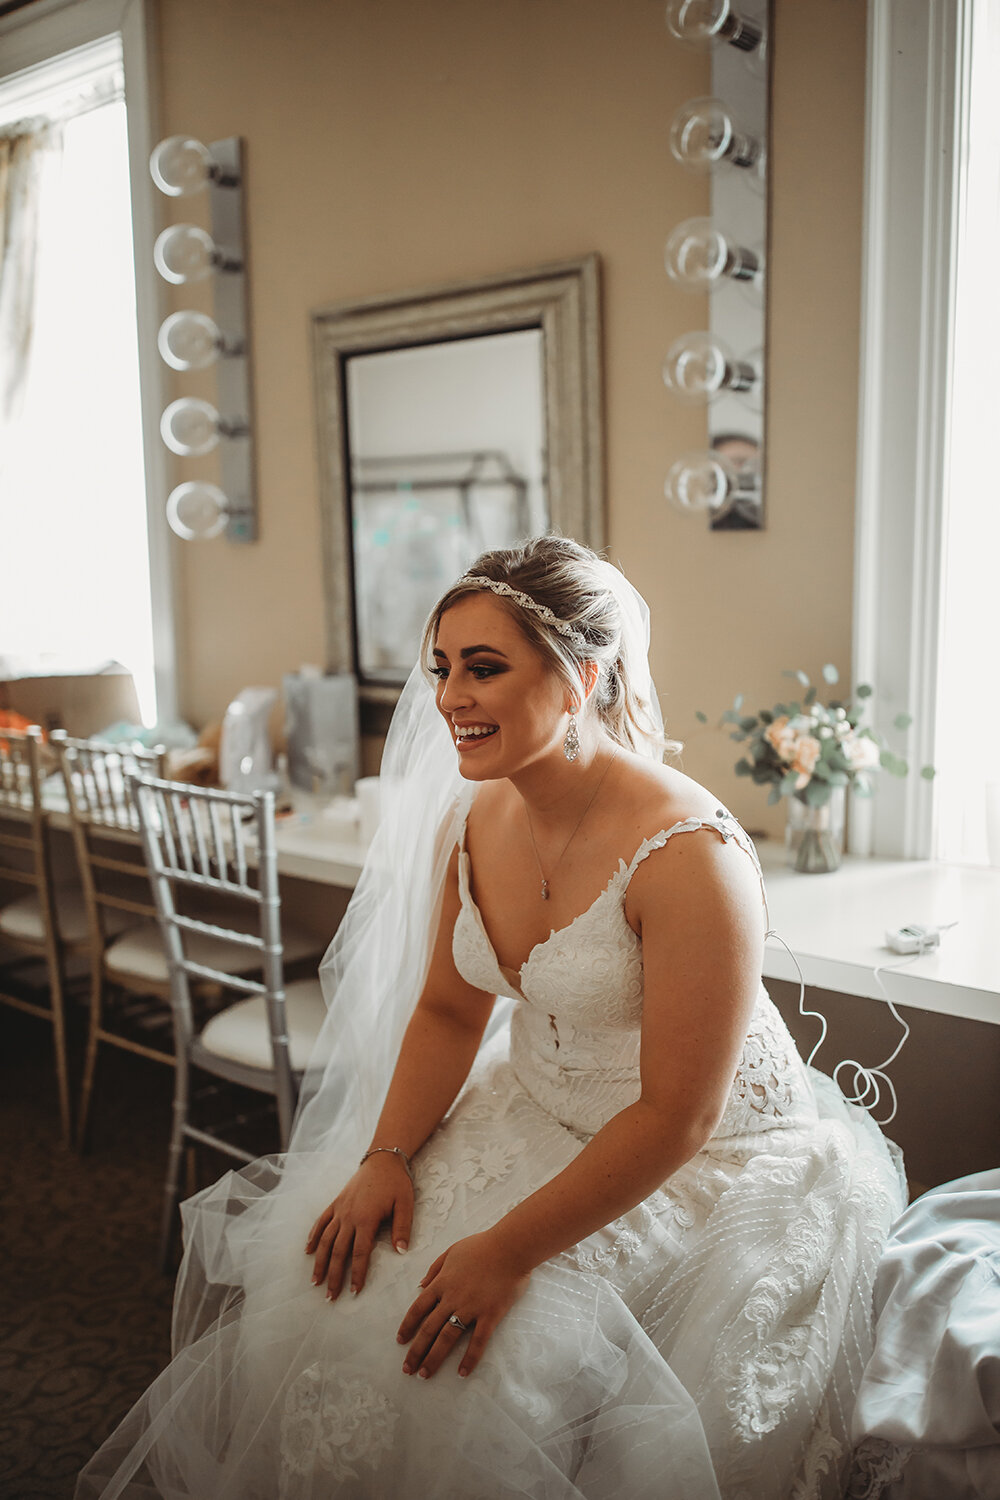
(918, 70)
(32, 36)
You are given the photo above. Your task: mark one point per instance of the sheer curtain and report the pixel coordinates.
(26, 151)
(74, 568)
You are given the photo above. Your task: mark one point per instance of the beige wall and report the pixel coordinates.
(393, 144)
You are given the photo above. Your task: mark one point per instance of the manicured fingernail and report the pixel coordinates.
(355, 1290)
(402, 1246)
(423, 1374)
(407, 1369)
(400, 1339)
(463, 1373)
(329, 1296)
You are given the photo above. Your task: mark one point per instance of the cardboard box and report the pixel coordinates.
(83, 703)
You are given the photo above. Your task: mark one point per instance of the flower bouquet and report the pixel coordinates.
(811, 752)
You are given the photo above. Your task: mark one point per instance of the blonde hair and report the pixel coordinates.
(562, 576)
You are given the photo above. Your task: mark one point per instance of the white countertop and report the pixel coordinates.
(835, 925)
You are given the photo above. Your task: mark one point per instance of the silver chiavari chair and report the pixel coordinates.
(49, 920)
(222, 844)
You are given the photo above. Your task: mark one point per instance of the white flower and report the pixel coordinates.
(862, 752)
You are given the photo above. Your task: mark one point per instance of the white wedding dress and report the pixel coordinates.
(708, 1343)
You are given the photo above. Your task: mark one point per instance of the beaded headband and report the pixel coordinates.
(526, 602)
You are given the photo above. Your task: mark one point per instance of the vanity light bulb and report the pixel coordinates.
(180, 166)
(197, 511)
(700, 481)
(699, 257)
(189, 341)
(700, 366)
(190, 426)
(184, 253)
(704, 134)
(699, 23)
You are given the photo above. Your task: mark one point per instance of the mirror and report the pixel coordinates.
(450, 421)
(725, 255)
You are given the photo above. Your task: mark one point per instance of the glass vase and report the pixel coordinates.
(814, 836)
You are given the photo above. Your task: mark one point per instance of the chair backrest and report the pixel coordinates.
(24, 851)
(105, 824)
(223, 843)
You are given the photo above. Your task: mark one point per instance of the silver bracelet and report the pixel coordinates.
(393, 1151)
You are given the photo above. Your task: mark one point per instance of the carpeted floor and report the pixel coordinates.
(84, 1314)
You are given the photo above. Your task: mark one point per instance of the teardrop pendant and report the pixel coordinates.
(545, 890)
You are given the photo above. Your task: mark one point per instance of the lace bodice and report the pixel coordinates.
(575, 1035)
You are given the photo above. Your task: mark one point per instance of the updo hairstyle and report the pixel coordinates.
(563, 576)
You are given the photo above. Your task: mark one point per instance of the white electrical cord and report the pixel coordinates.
(866, 1081)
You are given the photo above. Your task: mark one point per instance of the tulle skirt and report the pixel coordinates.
(707, 1344)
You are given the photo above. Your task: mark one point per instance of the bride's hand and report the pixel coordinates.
(380, 1191)
(473, 1280)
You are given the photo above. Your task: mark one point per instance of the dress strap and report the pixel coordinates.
(724, 824)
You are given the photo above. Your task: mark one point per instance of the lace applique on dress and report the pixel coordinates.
(877, 1464)
(335, 1424)
(441, 1173)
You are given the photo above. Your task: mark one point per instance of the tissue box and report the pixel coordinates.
(321, 730)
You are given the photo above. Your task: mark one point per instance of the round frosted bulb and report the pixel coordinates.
(189, 341)
(184, 253)
(699, 366)
(197, 511)
(698, 22)
(180, 166)
(703, 135)
(190, 426)
(699, 257)
(699, 482)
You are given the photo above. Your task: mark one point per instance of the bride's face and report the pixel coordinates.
(504, 705)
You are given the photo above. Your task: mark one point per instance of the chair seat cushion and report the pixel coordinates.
(140, 954)
(240, 1032)
(23, 918)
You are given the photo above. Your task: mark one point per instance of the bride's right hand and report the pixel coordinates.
(344, 1234)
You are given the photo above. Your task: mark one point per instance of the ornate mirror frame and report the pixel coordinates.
(563, 300)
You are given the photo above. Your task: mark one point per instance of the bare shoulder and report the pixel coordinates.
(696, 865)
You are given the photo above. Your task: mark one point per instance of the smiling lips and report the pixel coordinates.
(467, 736)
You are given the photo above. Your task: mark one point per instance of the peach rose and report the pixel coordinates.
(806, 755)
(782, 738)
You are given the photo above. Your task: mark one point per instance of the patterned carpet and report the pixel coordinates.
(84, 1314)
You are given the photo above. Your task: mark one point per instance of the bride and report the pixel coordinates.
(624, 1246)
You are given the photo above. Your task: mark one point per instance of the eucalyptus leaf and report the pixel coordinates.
(928, 773)
(743, 768)
(830, 673)
(748, 724)
(766, 716)
(737, 735)
(738, 702)
(810, 697)
(788, 783)
(903, 721)
(773, 796)
(818, 794)
(702, 718)
(863, 691)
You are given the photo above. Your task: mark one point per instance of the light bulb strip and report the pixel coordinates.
(232, 435)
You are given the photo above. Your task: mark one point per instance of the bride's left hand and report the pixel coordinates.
(474, 1280)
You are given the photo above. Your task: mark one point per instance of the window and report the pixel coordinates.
(72, 509)
(83, 481)
(927, 630)
(968, 703)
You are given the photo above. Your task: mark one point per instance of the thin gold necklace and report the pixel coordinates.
(576, 830)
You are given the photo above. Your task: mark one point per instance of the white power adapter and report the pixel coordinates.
(913, 939)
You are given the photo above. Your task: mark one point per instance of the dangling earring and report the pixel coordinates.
(571, 744)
